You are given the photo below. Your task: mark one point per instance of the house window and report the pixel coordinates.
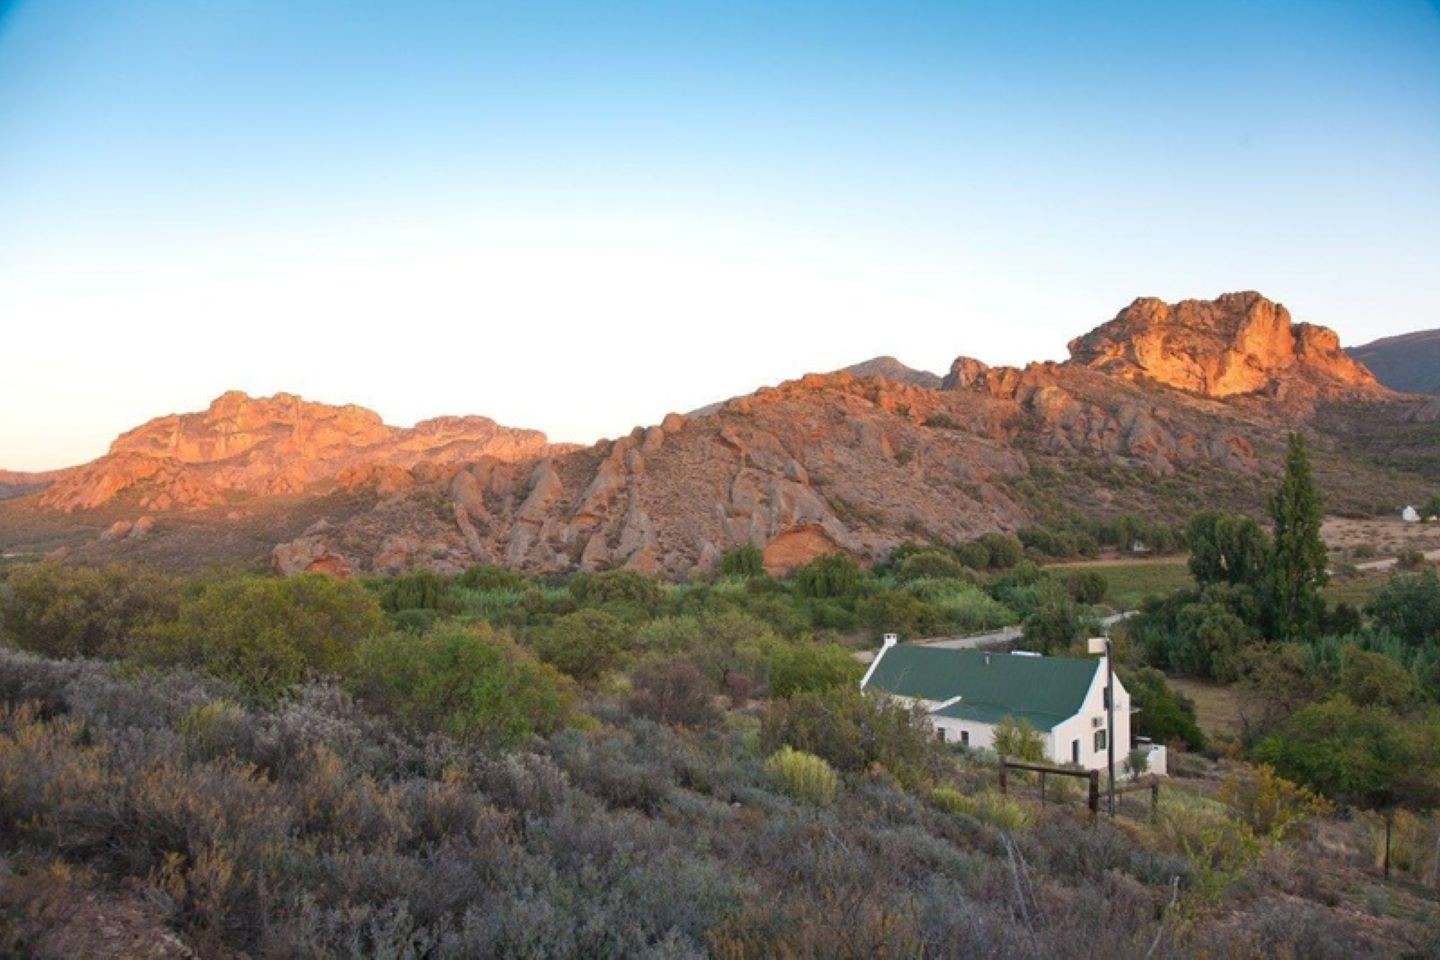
(1100, 740)
(940, 734)
(965, 737)
(1074, 751)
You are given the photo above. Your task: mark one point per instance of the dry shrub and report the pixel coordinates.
(803, 776)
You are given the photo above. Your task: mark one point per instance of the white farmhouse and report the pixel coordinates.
(969, 692)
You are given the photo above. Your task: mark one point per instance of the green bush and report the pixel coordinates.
(1019, 740)
(1087, 586)
(585, 644)
(417, 590)
(803, 776)
(82, 611)
(973, 554)
(800, 666)
(854, 731)
(744, 561)
(616, 586)
(472, 683)
(832, 575)
(1003, 550)
(1164, 715)
(931, 564)
(489, 577)
(897, 611)
(266, 634)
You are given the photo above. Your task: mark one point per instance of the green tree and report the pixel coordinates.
(616, 586)
(64, 611)
(802, 666)
(1163, 714)
(417, 590)
(932, 564)
(854, 731)
(1408, 606)
(1225, 548)
(265, 634)
(1297, 567)
(1365, 756)
(744, 561)
(1052, 627)
(1374, 679)
(831, 575)
(1004, 550)
(585, 644)
(471, 683)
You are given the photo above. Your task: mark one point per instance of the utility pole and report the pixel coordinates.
(1099, 645)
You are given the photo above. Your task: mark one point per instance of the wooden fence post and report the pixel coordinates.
(1042, 786)
(1154, 799)
(1094, 792)
(1003, 784)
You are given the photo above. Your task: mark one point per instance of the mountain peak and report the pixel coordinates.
(1238, 343)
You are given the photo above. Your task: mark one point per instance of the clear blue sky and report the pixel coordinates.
(580, 216)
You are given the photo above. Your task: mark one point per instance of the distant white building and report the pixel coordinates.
(968, 693)
(1410, 515)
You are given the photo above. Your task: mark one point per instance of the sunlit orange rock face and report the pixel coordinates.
(1238, 343)
(276, 445)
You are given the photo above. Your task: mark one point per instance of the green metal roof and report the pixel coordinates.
(992, 686)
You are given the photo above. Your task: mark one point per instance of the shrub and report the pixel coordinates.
(973, 554)
(1268, 803)
(831, 575)
(1087, 586)
(1052, 627)
(265, 635)
(673, 692)
(1164, 715)
(616, 586)
(931, 563)
(896, 611)
(1003, 549)
(803, 776)
(471, 683)
(988, 806)
(488, 577)
(1019, 740)
(743, 561)
(585, 644)
(806, 667)
(855, 731)
(82, 611)
(417, 590)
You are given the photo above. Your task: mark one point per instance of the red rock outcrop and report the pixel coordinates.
(1238, 343)
(276, 445)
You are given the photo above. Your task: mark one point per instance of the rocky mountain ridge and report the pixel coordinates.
(1409, 362)
(1163, 403)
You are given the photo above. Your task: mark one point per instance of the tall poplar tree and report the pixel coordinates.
(1297, 564)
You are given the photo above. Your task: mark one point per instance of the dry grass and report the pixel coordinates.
(1217, 705)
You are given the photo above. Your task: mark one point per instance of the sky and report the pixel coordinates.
(579, 217)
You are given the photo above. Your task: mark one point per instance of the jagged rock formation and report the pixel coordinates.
(1236, 344)
(1409, 363)
(1178, 405)
(275, 445)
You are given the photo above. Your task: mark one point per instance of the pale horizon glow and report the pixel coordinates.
(578, 223)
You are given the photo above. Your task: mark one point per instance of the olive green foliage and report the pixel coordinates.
(831, 575)
(1052, 627)
(616, 586)
(1003, 550)
(1227, 548)
(898, 611)
(743, 561)
(1270, 805)
(1408, 606)
(1431, 508)
(490, 577)
(1366, 756)
(83, 611)
(1165, 715)
(1201, 632)
(586, 644)
(1019, 740)
(417, 590)
(266, 634)
(855, 731)
(1373, 679)
(803, 776)
(1087, 586)
(802, 666)
(931, 563)
(472, 683)
(1298, 565)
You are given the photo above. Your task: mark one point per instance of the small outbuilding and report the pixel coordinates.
(1410, 515)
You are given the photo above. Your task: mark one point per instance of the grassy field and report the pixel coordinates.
(1133, 580)
(1217, 705)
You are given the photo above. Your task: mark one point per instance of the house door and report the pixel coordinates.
(1074, 751)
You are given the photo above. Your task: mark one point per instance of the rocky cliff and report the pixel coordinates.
(274, 445)
(1238, 343)
(1163, 409)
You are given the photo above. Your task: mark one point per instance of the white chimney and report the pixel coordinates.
(890, 640)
